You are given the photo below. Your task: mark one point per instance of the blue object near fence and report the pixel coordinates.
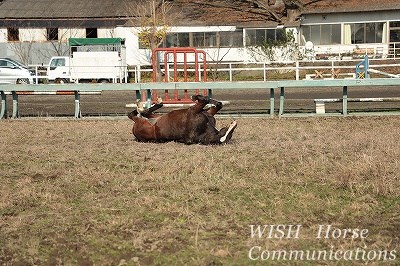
(362, 69)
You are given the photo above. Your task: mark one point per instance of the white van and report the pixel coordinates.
(13, 72)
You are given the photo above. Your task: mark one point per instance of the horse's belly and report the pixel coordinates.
(171, 127)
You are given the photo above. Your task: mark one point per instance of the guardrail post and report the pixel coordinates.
(15, 105)
(281, 101)
(36, 75)
(3, 111)
(210, 93)
(344, 102)
(264, 72)
(148, 100)
(271, 101)
(78, 113)
(230, 72)
(138, 95)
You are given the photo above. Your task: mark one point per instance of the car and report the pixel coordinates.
(13, 72)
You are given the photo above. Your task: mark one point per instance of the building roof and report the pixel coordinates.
(58, 13)
(345, 6)
(61, 9)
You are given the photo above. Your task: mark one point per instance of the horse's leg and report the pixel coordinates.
(212, 111)
(149, 111)
(133, 114)
(201, 102)
(217, 105)
(146, 113)
(213, 136)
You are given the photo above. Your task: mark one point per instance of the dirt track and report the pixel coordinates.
(241, 101)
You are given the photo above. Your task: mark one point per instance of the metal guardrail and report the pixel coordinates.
(268, 86)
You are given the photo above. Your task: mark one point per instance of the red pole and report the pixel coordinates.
(185, 66)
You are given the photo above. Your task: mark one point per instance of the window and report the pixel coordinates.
(231, 38)
(177, 40)
(210, 39)
(13, 34)
(4, 63)
(91, 32)
(204, 39)
(10, 64)
(321, 34)
(260, 36)
(52, 34)
(363, 33)
(395, 35)
(395, 24)
(57, 62)
(198, 39)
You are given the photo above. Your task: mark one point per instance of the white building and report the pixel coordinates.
(33, 31)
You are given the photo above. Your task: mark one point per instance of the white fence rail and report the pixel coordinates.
(333, 69)
(260, 71)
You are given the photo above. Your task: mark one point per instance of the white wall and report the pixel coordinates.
(3, 35)
(105, 33)
(30, 35)
(65, 34)
(133, 55)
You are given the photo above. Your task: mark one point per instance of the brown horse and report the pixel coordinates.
(190, 125)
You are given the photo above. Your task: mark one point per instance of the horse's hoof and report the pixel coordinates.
(229, 132)
(140, 107)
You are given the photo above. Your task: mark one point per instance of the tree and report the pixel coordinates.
(279, 11)
(283, 11)
(154, 20)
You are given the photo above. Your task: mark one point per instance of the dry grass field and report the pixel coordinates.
(84, 193)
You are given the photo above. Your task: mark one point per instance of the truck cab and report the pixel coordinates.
(59, 69)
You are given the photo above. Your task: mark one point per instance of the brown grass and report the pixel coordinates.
(83, 192)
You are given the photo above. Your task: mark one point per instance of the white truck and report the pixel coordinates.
(90, 60)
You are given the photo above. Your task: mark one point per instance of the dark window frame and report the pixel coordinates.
(52, 34)
(13, 34)
(91, 32)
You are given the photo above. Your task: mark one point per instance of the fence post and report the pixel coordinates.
(271, 101)
(297, 70)
(230, 71)
(264, 72)
(78, 113)
(36, 75)
(15, 105)
(3, 105)
(137, 74)
(344, 101)
(281, 101)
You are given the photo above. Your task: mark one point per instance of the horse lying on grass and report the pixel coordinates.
(191, 125)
